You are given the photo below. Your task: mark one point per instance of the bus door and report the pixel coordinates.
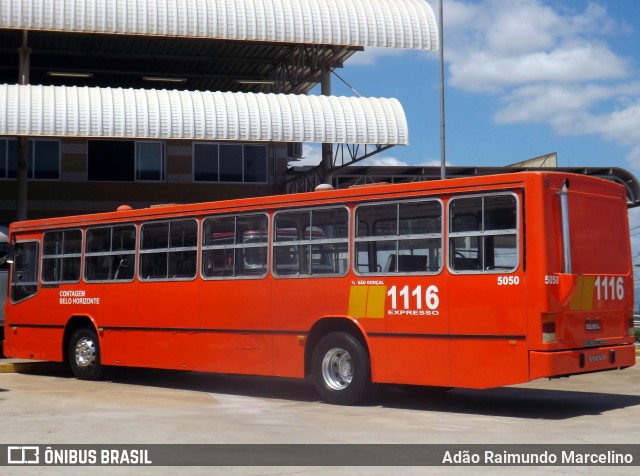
(4, 272)
(62, 294)
(399, 257)
(486, 290)
(167, 293)
(24, 307)
(235, 295)
(310, 262)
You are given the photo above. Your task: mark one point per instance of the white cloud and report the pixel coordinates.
(547, 63)
(483, 71)
(392, 161)
(559, 103)
(372, 55)
(382, 161)
(634, 159)
(434, 163)
(492, 44)
(622, 125)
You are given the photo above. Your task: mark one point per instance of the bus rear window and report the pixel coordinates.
(599, 245)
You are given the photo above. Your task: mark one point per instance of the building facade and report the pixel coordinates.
(154, 101)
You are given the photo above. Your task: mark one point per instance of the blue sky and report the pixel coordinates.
(523, 78)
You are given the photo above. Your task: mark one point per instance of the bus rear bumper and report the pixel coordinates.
(569, 362)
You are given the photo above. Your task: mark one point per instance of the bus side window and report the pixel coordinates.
(24, 278)
(125, 267)
(287, 260)
(406, 263)
(311, 242)
(61, 253)
(169, 250)
(235, 246)
(399, 238)
(109, 253)
(287, 257)
(483, 233)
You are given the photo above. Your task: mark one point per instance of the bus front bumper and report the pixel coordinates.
(568, 362)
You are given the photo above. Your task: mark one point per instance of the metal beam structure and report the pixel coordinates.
(306, 179)
(135, 50)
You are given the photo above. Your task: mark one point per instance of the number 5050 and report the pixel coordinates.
(508, 280)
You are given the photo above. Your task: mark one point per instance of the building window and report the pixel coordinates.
(150, 161)
(8, 158)
(205, 162)
(43, 159)
(126, 161)
(255, 163)
(233, 163)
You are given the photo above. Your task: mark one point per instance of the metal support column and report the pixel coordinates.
(443, 153)
(327, 149)
(24, 53)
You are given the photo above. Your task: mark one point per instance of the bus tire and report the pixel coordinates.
(84, 355)
(341, 369)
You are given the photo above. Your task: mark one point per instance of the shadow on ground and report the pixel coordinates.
(516, 402)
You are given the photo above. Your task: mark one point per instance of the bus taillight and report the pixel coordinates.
(632, 329)
(548, 327)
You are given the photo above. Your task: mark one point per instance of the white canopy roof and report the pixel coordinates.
(385, 23)
(198, 115)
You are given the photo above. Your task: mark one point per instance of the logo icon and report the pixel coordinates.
(23, 455)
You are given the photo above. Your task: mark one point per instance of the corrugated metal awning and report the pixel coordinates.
(60, 111)
(382, 23)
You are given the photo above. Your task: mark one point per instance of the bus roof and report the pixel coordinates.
(374, 191)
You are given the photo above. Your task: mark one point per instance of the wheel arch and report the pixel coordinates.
(325, 326)
(73, 324)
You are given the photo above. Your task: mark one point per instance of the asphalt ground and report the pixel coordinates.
(40, 403)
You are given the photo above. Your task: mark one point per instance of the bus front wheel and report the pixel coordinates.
(341, 370)
(84, 355)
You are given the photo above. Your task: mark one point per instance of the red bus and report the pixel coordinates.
(472, 282)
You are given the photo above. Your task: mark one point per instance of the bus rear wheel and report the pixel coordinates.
(84, 355)
(341, 370)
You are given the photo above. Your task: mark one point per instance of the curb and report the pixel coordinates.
(18, 366)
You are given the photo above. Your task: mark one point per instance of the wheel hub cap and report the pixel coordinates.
(337, 370)
(85, 353)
